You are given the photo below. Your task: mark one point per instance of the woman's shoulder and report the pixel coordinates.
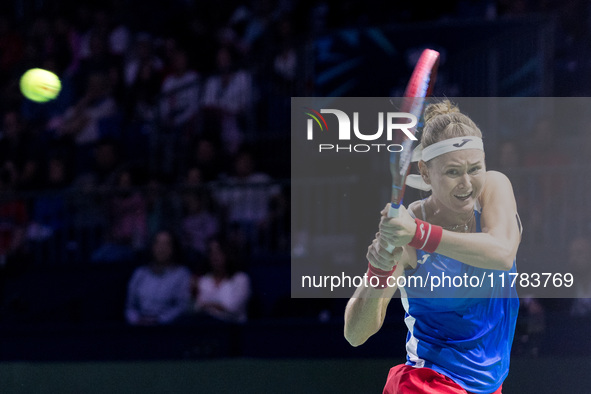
(496, 176)
(241, 277)
(180, 270)
(497, 190)
(497, 182)
(141, 272)
(142, 269)
(205, 278)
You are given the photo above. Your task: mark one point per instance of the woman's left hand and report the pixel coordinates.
(397, 231)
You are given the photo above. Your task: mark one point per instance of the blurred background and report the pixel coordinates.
(145, 238)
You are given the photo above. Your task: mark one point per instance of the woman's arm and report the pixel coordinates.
(494, 248)
(366, 310)
(132, 312)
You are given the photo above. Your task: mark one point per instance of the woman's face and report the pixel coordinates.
(162, 247)
(457, 179)
(217, 256)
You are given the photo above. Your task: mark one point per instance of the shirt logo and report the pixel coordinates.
(424, 259)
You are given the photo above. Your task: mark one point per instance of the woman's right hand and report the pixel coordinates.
(379, 257)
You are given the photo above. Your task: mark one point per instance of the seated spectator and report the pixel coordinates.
(278, 78)
(12, 46)
(105, 160)
(84, 122)
(129, 212)
(164, 208)
(128, 222)
(50, 211)
(20, 147)
(142, 57)
(143, 79)
(276, 229)
(246, 196)
(88, 203)
(227, 99)
(159, 292)
(95, 57)
(48, 232)
(224, 292)
(206, 156)
(179, 108)
(198, 225)
(193, 181)
(180, 91)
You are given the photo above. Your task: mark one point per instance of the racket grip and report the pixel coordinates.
(392, 213)
(393, 210)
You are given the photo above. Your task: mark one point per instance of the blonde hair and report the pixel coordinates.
(444, 120)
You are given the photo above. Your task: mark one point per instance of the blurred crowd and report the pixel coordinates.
(145, 106)
(172, 124)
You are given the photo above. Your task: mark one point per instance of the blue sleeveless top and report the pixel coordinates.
(465, 330)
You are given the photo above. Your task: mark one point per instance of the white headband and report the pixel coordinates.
(438, 149)
(451, 145)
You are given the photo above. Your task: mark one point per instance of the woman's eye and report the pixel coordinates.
(452, 172)
(474, 169)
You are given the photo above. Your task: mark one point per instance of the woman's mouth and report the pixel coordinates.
(463, 196)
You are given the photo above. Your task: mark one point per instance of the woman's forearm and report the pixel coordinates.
(366, 310)
(480, 250)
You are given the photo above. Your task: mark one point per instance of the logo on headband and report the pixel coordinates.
(451, 145)
(464, 142)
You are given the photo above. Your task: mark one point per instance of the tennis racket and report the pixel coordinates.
(419, 87)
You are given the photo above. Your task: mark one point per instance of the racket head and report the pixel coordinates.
(419, 87)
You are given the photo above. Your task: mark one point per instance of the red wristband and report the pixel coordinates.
(427, 236)
(380, 274)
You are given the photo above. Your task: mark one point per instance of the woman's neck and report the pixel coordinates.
(449, 220)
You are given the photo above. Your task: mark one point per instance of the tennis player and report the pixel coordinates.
(459, 338)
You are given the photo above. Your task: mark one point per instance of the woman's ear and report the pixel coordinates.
(424, 172)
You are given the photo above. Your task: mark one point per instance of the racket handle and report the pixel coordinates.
(393, 210)
(393, 213)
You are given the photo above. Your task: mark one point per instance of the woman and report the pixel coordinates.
(223, 293)
(160, 292)
(461, 341)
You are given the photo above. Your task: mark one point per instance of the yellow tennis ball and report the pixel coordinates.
(40, 85)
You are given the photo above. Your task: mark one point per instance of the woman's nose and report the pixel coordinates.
(464, 181)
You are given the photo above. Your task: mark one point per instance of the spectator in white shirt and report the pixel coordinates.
(81, 121)
(179, 108)
(246, 196)
(180, 92)
(224, 292)
(227, 99)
